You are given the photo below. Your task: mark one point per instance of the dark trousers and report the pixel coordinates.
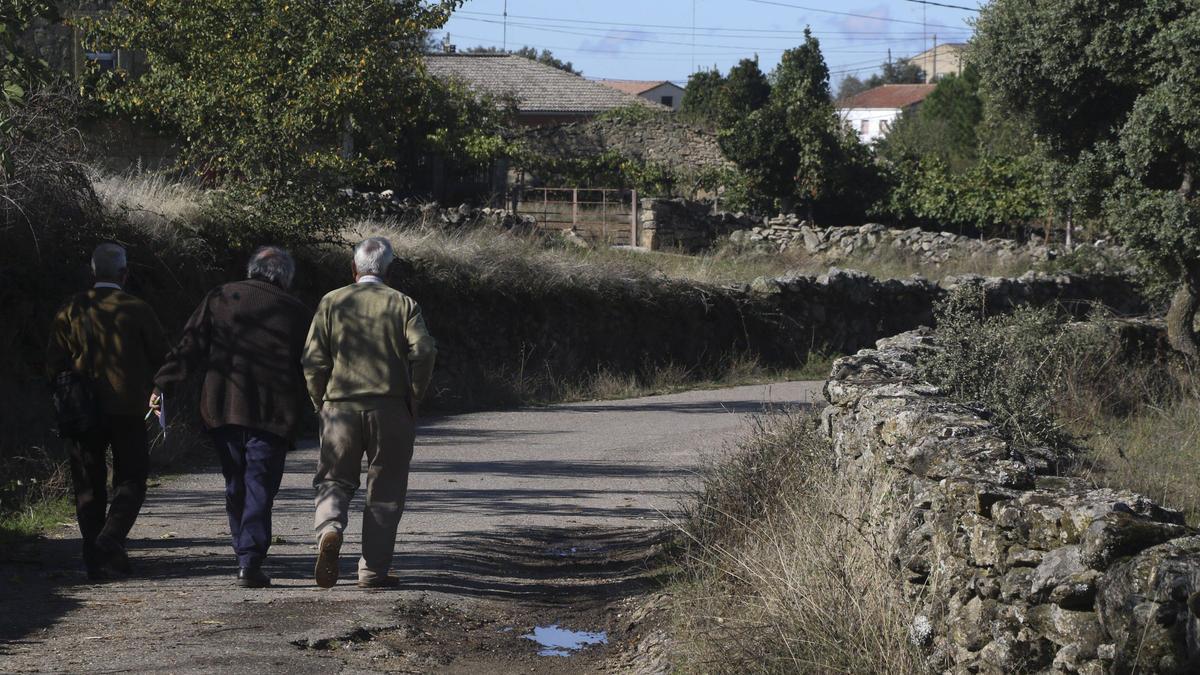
(252, 462)
(126, 434)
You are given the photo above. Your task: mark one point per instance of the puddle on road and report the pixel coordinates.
(565, 552)
(557, 641)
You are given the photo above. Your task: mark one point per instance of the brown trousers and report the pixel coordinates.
(382, 430)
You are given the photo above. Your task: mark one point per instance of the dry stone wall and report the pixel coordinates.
(789, 232)
(1012, 567)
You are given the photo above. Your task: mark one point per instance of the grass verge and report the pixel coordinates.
(34, 518)
(780, 575)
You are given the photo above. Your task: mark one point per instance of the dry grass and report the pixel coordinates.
(1142, 435)
(149, 200)
(781, 571)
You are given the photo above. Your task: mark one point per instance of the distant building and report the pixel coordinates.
(940, 61)
(873, 112)
(661, 92)
(543, 94)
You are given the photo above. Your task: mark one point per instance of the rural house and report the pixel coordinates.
(662, 92)
(942, 60)
(543, 94)
(873, 112)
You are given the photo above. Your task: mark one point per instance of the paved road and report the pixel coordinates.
(476, 479)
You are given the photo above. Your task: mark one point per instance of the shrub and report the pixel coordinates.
(1013, 364)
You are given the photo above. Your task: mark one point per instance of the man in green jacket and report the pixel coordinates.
(116, 343)
(368, 363)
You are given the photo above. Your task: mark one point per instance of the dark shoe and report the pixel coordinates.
(253, 577)
(328, 549)
(115, 555)
(384, 582)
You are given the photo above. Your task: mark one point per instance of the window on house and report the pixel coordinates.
(668, 101)
(106, 60)
(866, 127)
(885, 126)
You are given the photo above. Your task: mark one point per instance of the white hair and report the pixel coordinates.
(108, 261)
(373, 256)
(273, 265)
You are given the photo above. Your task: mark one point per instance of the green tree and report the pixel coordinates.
(702, 96)
(1117, 80)
(20, 71)
(545, 57)
(896, 72)
(945, 125)
(850, 87)
(278, 97)
(794, 149)
(745, 90)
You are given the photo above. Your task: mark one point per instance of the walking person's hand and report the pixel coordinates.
(156, 403)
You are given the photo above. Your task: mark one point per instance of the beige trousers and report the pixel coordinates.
(382, 431)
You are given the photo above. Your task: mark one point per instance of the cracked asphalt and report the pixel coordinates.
(478, 481)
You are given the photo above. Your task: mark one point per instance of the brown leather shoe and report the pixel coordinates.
(384, 582)
(328, 549)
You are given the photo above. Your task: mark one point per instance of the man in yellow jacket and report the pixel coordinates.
(116, 343)
(368, 363)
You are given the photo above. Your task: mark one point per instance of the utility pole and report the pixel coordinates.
(505, 25)
(933, 78)
(693, 36)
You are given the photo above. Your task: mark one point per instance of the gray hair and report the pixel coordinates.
(108, 261)
(373, 256)
(272, 264)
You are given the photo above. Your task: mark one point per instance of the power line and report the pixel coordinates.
(940, 4)
(754, 32)
(607, 35)
(850, 14)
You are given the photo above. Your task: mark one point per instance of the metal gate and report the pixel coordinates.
(603, 216)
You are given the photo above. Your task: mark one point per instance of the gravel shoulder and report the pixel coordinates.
(514, 519)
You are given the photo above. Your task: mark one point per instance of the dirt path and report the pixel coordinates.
(514, 519)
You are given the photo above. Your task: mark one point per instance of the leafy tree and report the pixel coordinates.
(944, 126)
(20, 71)
(745, 90)
(896, 72)
(1118, 81)
(702, 96)
(545, 57)
(795, 149)
(850, 87)
(279, 97)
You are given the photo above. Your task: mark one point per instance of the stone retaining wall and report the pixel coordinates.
(1012, 568)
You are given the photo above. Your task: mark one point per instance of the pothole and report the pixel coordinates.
(557, 641)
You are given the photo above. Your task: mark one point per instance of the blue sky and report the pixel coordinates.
(652, 39)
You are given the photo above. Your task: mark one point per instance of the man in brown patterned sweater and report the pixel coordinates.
(115, 342)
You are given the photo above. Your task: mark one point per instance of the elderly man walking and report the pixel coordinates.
(368, 362)
(112, 342)
(247, 338)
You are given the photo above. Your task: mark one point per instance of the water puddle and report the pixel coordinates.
(567, 552)
(555, 641)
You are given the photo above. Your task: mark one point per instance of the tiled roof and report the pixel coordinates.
(635, 87)
(537, 88)
(889, 96)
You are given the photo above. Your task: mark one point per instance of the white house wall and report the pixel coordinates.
(666, 89)
(878, 121)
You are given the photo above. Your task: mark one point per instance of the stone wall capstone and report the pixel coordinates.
(1012, 568)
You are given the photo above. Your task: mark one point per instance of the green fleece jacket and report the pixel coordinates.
(368, 341)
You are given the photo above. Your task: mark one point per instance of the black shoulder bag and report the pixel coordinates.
(76, 407)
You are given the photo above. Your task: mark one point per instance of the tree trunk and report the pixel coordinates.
(1181, 316)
